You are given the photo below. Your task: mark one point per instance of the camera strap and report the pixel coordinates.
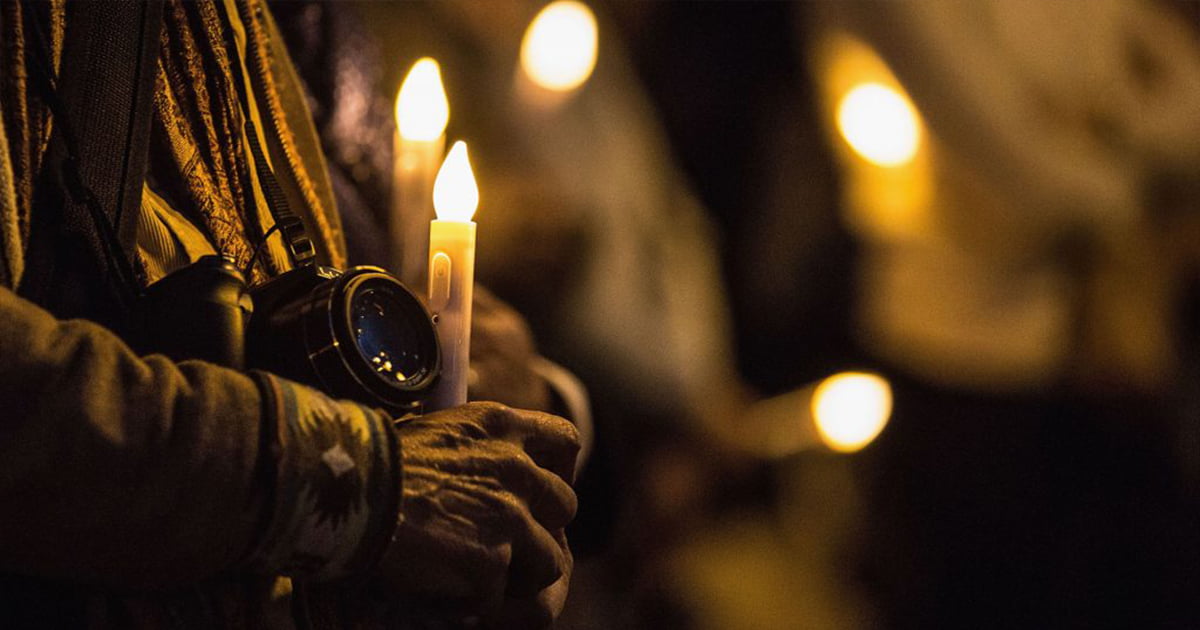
(287, 222)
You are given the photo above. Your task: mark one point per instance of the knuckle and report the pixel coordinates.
(565, 428)
(573, 435)
(456, 436)
(513, 458)
(516, 453)
(493, 416)
(556, 504)
(489, 408)
(473, 431)
(514, 518)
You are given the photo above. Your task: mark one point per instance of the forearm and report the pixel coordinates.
(132, 473)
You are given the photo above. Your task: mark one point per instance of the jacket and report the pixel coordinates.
(140, 492)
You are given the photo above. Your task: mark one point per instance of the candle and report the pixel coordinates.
(452, 274)
(422, 112)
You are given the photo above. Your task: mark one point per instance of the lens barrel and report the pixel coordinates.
(359, 335)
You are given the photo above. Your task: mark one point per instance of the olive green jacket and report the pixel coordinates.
(140, 492)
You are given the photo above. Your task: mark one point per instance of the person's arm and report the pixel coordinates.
(140, 473)
(129, 472)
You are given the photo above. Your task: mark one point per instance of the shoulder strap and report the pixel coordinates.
(104, 94)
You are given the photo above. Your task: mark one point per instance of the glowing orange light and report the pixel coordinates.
(422, 109)
(455, 194)
(880, 124)
(851, 409)
(560, 47)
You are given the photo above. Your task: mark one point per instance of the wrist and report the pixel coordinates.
(386, 522)
(336, 487)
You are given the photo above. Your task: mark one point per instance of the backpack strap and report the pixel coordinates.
(102, 102)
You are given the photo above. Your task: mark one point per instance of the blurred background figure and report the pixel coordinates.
(1020, 184)
(1023, 179)
(989, 207)
(1020, 179)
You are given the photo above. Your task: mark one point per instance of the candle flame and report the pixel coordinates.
(851, 409)
(560, 46)
(422, 110)
(455, 195)
(880, 124)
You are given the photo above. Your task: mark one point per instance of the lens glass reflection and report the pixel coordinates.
(386, 335)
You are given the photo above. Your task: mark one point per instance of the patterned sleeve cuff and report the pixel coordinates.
(336, 483)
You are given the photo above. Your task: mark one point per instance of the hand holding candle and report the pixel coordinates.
(452, 274)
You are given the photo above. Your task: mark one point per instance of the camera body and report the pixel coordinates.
(358, 334)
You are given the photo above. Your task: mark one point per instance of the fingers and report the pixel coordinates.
(555, 596)
(552, 441)
(487, 514)
(448, 550)
(538, 560)
(504, 550)
(486, 498)
(539, 610)
(549, 498)
(465, 576)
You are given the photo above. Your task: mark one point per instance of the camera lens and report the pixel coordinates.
(360, 335)
(395, 352)
(385, 335)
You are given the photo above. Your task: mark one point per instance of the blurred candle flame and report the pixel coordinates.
(455, 194)
(422, 109)
(560, 46)
(880, 124)
(850, 409)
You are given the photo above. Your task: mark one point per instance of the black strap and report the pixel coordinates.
(102, 101)
(290, 225)
(299, 245)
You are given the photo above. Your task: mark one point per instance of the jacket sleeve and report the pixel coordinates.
(134, 473)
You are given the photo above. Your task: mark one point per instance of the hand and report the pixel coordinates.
(502, 353)
(486, 498)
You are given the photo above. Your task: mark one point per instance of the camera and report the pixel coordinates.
(357, 334)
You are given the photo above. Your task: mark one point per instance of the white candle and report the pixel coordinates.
(452, 274)
(422, 112)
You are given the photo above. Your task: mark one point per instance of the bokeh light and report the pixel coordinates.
(850, 409)
(422, 109)
(559, 49)
(880, 124)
